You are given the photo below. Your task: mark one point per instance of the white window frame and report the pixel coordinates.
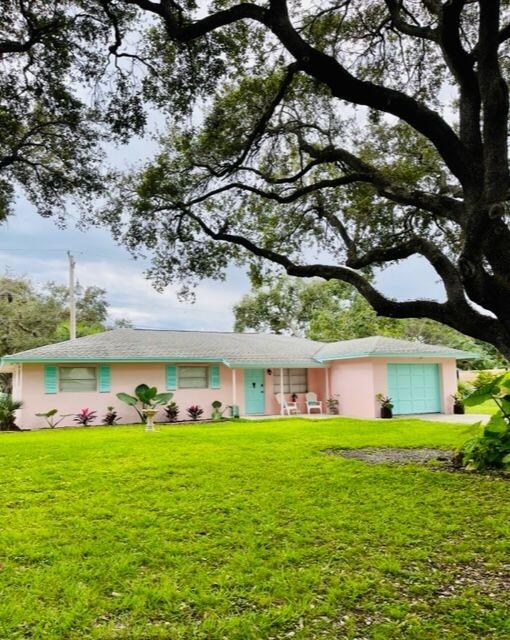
(287, 386)
(189, 366)
(61, 380)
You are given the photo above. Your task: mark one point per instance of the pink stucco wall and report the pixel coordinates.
(358, 381)
(352, 381)
(124, 377)
(355, 382)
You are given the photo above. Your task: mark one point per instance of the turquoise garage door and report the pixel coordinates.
(414, 388)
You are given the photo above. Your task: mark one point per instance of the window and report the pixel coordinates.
(294, 380)
(193, 377)
(77, 379)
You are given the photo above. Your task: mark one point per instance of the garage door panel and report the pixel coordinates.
(414, 388)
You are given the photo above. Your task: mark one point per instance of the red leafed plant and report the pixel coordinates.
(85, 417)
(195, 412)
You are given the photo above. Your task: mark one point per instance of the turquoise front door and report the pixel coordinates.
(254, 396)
(414, 388)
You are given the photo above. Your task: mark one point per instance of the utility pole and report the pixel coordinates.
(72, 301)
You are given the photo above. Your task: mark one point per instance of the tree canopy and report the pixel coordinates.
(61, 86)
(330, 311)
(325, 140)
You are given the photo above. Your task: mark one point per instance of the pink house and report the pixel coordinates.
(244, 369)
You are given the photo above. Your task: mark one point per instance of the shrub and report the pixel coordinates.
(111, 417)
(172, 411)
(8, 408)
(464, 390)
(491, 448)
(85, 417)
(195, 411)
(483, 378)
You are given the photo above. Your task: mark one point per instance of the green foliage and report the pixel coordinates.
(8, 408)
(384, 401)
(32, 316)
(145, 397)
(483, 379)
(491, 448)
(331, 310)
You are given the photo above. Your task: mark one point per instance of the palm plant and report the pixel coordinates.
(8, 408)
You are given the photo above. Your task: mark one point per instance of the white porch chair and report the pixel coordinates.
(288, 407)
(312, 404)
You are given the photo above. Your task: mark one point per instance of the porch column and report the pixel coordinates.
(281, 393)
(234, 387)
(326, 376)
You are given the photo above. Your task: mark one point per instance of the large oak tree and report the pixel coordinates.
(328, 139)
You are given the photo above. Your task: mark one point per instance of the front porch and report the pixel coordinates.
(265, 392)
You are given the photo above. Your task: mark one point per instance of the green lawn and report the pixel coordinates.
(246, 531)
(489, 406)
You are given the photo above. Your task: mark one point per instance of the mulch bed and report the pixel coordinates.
(433, 459)
(382, 455)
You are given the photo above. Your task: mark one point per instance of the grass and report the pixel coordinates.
(489, 406)
(246, 531)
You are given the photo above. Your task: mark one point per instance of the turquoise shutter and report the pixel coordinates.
(214, 377)
(171, 377)
(105, 378)
(50, 379)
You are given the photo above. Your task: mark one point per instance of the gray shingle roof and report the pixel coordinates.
(382, 346)
(233, 348)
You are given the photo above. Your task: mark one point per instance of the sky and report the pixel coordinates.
(36, 247)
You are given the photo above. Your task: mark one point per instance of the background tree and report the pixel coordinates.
(363, 132)
(32, 316)
(330, 311)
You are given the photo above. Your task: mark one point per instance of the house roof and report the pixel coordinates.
(234, 349)
(381, 346)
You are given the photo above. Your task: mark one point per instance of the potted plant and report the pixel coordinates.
(216, 413)
(458, 404)
(147, 397)
(333, 404)
(386, 406)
